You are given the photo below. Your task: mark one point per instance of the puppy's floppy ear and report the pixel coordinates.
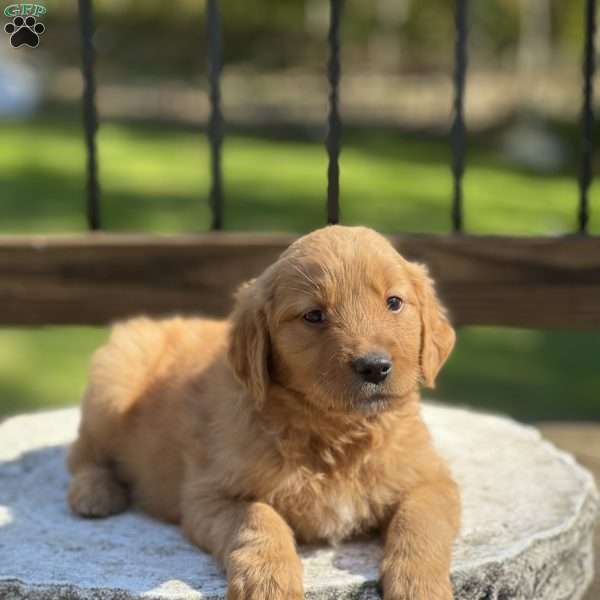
(249, 344)
(437, 335)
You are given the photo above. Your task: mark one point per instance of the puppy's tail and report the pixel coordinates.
(124, 367)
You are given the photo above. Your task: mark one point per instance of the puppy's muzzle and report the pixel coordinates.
(373, 367)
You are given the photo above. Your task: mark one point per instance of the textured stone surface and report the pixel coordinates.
(529, 514)
(583, 440)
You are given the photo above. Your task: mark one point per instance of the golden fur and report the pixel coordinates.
(255, 433)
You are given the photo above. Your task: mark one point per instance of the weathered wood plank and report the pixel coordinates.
(96, 278)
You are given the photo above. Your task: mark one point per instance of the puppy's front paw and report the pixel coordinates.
(406, 582)
(254, 574)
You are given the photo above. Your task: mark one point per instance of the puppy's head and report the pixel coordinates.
(342, 320)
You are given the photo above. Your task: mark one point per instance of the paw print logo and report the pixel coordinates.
(24, 31)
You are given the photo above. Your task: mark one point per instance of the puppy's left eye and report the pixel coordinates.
(314, 316)
(395, 303)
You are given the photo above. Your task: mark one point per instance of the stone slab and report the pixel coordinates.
(529, 514)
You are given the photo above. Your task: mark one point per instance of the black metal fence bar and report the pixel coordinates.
(587, 125)
(334, 121)
(457, 136)
(215, 123)
(90, 115)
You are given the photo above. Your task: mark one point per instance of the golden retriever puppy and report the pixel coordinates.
(297, 420)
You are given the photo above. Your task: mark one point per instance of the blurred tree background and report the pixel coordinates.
(523, 107)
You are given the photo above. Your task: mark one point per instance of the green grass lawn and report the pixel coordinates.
(156, 179)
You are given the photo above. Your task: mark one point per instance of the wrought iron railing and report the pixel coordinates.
(333, 139)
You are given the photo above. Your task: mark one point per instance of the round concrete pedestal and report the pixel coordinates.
(528, 518)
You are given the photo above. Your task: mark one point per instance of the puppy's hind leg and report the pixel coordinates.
(94, 490)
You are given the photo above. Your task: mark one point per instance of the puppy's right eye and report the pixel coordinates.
(314, 316)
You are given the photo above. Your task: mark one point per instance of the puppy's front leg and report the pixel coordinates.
(253, 543)
(418, 543)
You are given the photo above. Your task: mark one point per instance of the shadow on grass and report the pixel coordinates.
(44, 201)
(16, 396)
(530, 375)
(41, 200)
(387, 141)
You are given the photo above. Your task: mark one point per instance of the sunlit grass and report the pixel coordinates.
(44, 367)
(157, 179)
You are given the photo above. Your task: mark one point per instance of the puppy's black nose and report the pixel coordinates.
(373, 367)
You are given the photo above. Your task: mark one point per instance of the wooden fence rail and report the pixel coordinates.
(97, 278)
